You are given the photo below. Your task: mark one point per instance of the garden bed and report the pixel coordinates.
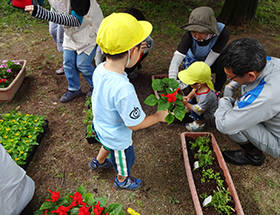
(202, 188)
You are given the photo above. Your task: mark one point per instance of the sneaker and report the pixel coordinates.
(70, 95)
(94, 165)
(89, 93)
(130, 183)
(193, 126)
(60, 71)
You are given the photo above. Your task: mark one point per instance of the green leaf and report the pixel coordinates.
(157, 85)
(151, 100)
(81, 190)
(179, 103)
(180, 112)
(163, 104)
(90, 199)
(114, 208)
(169, 118)
(74, 211)
(171, 83)
(102, 201)
(47, 205)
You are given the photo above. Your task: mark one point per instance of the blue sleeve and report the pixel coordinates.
(80, 18)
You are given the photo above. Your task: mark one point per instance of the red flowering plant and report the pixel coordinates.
(7, 68)
(170, 98)
(79, 203)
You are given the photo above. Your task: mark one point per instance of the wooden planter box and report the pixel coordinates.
(222, 164)
(8, 93)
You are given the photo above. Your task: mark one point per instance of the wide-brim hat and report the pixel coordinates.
(202, 20)
(197, 72)
(120, 32)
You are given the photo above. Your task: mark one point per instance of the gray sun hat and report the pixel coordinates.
(202, 20)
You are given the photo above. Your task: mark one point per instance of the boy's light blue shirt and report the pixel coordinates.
(115, 106)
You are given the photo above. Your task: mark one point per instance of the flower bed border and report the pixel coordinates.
(39, 140)
(8, 93)
(222, 163)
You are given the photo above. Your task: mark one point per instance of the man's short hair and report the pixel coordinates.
(243, 55)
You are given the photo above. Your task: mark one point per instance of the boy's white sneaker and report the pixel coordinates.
(193, 126)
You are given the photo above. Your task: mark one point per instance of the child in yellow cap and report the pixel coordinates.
(202, 100)
(115, 106)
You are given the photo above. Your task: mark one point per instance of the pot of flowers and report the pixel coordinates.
(211, 185)
(20, 134)
(167, 97)
(12, 74)
(89, 134)
(79, 202)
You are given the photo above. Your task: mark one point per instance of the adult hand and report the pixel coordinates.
(29, 8)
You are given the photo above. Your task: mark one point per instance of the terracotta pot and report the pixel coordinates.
(161, 76)
(8, 93)
(222, 163)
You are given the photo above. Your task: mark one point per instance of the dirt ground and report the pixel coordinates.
(60, 162)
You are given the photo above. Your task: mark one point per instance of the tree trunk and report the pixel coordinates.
(236, 12)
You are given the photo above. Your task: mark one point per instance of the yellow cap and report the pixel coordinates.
(197, 72)
(120, 32)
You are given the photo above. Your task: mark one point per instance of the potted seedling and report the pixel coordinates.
(12, 74)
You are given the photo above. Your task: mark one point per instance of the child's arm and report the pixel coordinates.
(150, 120)
(187, 98)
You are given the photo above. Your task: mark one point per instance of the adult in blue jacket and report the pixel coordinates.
(253, 121)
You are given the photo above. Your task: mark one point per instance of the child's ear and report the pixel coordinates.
(133, 51)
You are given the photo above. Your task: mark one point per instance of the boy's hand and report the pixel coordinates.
(29, 8)
(186, 100)
(161, 115)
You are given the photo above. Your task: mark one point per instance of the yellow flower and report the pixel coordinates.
(35, 120)
(0, 141)
(24, 121)
(9, 150)
(13, 120)
(0, 129)
(27, 115)
(27, 141)
(5, 137)
(35, 128)
(21, 152)
(29, 136)
(1, 120)
(8, 129)
(7, 114)
(17, 134)
(16, 159)
(20, 129)
(11, 140)
(19, 114)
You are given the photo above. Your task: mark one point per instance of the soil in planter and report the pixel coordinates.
(207, 187)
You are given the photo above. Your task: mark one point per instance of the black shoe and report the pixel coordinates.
(241, 157)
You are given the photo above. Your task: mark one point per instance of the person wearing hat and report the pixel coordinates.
(204, 40)
(115, 105)
(202, 100)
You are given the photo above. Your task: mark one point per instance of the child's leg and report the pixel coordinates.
(101, 161)
(122, 161)
(102, 155)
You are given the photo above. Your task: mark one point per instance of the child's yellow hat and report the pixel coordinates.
(120, 32)
(197, 72)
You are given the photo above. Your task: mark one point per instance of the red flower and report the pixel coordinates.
(46, 211)
(97, 209)
(78, 198)
(171, 97)
(61, 210)
(55, 196)
(2, 80)
(84, 210)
